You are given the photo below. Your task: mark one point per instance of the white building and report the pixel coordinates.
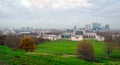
(100, 38)
(52, 37)
(89, 34)
(76, 37)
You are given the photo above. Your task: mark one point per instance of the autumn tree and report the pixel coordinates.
(85, 51)
(27, 44)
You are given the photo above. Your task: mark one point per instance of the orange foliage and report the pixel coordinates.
(27, 44)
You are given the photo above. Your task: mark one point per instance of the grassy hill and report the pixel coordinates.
(62, 52)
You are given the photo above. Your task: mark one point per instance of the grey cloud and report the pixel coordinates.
(103, 11)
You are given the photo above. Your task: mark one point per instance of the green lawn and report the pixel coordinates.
(62, 52)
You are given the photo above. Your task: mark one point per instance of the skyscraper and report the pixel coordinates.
(88, 27)
(106, 27)
(96, 26)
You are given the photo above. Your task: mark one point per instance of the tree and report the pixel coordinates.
(2, 37)
(85, 51)
(27, 44)
(40, 40)
(109, 44)
(117, 40)
(12, 41)
(108, 38)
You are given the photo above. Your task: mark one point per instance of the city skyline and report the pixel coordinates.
(58, 13)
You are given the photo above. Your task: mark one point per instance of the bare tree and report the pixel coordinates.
(117, 40)
(2, 37)
(12, 41)
(109, 44)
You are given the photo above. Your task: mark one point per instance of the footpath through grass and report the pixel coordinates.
(62, 52)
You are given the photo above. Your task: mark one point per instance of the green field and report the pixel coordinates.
(62, 52)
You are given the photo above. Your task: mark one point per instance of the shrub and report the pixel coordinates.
(85, 51)
(27, 44)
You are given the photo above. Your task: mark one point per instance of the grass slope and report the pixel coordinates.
(62, 52)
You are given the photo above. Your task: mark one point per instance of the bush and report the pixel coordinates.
(27, 44)
(85, 51)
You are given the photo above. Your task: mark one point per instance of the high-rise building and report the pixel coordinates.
(96, 26)
(75, 28)
(88, 27)
(106, 27)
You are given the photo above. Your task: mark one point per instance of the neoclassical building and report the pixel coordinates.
(77, 36)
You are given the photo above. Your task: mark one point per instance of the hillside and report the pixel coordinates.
(62, 52)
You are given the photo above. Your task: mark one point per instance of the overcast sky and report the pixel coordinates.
(58, 13)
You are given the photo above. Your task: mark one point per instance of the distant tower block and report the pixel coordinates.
(75, 27)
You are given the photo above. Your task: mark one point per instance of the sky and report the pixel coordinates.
(58, 13)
